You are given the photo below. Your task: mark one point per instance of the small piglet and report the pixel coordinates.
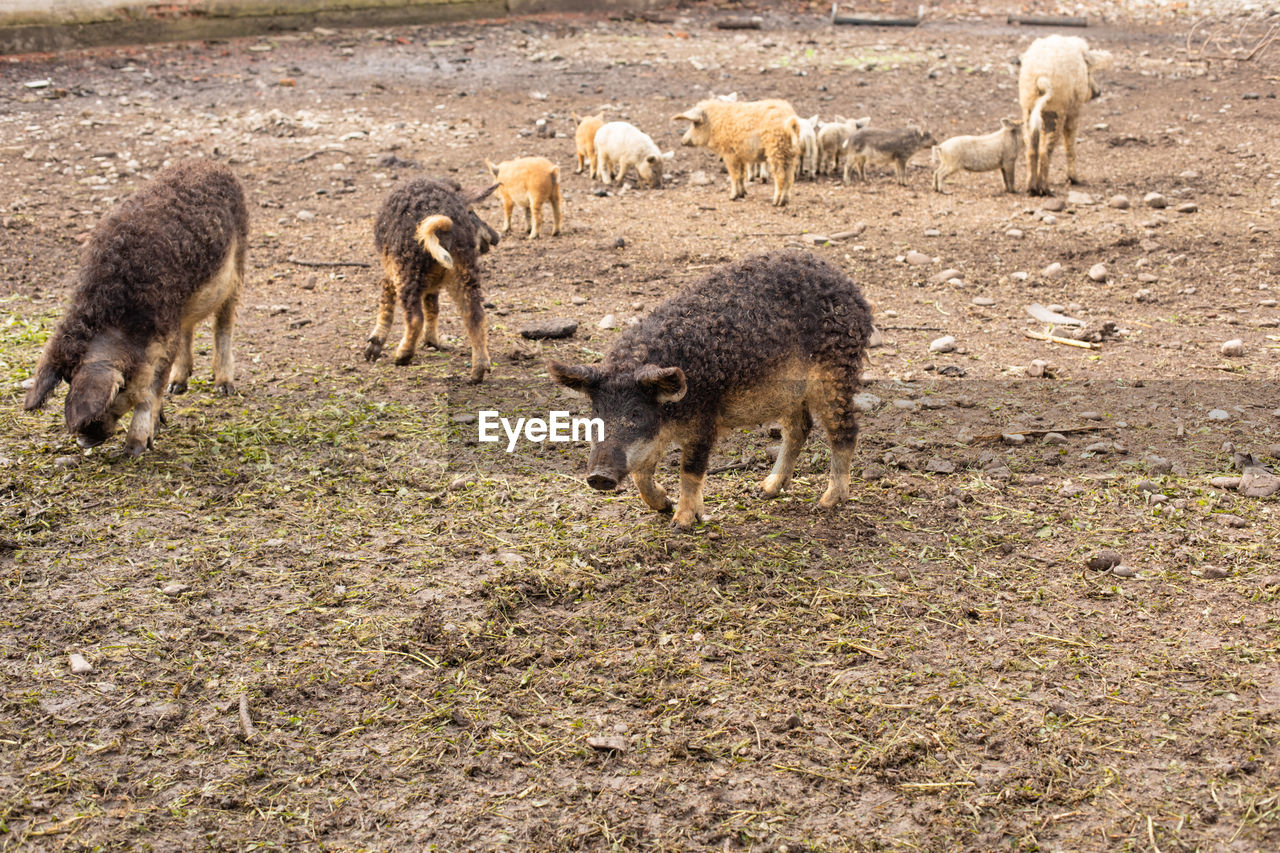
(997, 150)
(529, 182)
(620, 147)
(779, 336)
(879, 146)
(584, 142)
(160, 263)
(428, 238)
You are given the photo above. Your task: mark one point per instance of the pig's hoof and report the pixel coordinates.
(438, 346)
(830, 499)
(177, 387)
(134, 449)
(224, 389)
(477, 375)
(403, 359)
(771, 488)
(373, 350)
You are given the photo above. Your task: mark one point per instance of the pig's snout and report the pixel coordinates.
(602, 481)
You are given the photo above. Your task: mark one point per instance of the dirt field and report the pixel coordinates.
(441, 646)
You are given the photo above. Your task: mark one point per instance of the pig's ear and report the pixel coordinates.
(813, 119)
(46, 379)
(92, 389)
(693, 116)
(665, 383)
(575, 377)
(481, 195)
(862, 122)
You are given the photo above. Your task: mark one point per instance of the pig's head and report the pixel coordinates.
(486, 237)
(94, 401)
(699, 132)
(629, 404)
(650, 168)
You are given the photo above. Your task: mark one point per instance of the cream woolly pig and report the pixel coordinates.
(831, 137)
(744, 134)
(1055, 83)
(997, 150)
(620, 147)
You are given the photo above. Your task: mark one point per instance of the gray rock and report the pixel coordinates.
(556, 327)
(946, 275)
(609, 743)
(932, 232)
(1015, 233)
(1054, 439)
(940, 466)
(1258, 483)
(1057, 205)
(1119, 202)
(1102, 560)
(1123, 572)
(1090, 416)
(1100, 447)
(1226, 519)
(905, 405)
(1233, 348)
(1013, 438)
(918, 259)
(1147, 486)
(876, 340)
(1214, 573)
(700, 179)
(1000, 474)
(874, 472)
(1225, 482)
(1155, 200)
(66, 462)
(1052, 271)
(608, 321)
(1187, 207)
(1076, 197)
(175, 589)
(1098, 272)
(79, 666)
(578, 300)
(1159, 465)
(866, 401)
(983, 301)
(1219, 415)
(946, 343)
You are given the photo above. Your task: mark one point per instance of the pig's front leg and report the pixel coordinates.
(693, 472)
(650, 492)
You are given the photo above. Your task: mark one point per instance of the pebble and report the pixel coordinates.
(80, 666)
(1102, 560)
(1148, 278)
(1015, 233)
(1155, 200)
(876, 340)
(1000, 473)
(1100, 447)
(1020, 275)
(609, 743)
(1057, 205)
(906, 405)
(1071, 490)
(1159, 465)
(1077, 197)
(1233, 348)
(1049, 219)
(699, 179)
(932, 232)
(1090, 416)
(983, 301)
(1052, 271)
(465, 418)
(1226, 519)
(940, 466)
(66, 462)
(1147, 486)
(578, 300)
(1098, 272)
(946, 275)
(1123, 572)
(1054, 439)
(1187, 207)
(1225, 482)
(874, 472)
(1219, 415)
(175, 589)
(1258, 483)
(1214, 573)
(866, 401)
(557, 327)
(918, 259)
(1039, 368)
(946, 343)
(305, 215)
(1119, 202)
(608, 321)
(1013, 438)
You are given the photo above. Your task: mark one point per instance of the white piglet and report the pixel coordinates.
(621, 146)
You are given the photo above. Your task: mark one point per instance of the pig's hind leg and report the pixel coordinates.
(795, 430)
(838, 415)
(386, 313)
(411, 298)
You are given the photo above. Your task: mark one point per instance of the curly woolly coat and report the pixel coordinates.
(779, 336)
(428, 238)
(162, 261)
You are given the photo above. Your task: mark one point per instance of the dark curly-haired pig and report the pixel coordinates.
(159, 264)
(779, 336)
(428, 237)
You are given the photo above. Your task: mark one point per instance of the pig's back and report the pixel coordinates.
(739, 323)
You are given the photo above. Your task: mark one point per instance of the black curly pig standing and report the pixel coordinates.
(428, 238)
(779, 336)
(160, 263)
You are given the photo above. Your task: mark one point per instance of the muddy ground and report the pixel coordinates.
(440, 646)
